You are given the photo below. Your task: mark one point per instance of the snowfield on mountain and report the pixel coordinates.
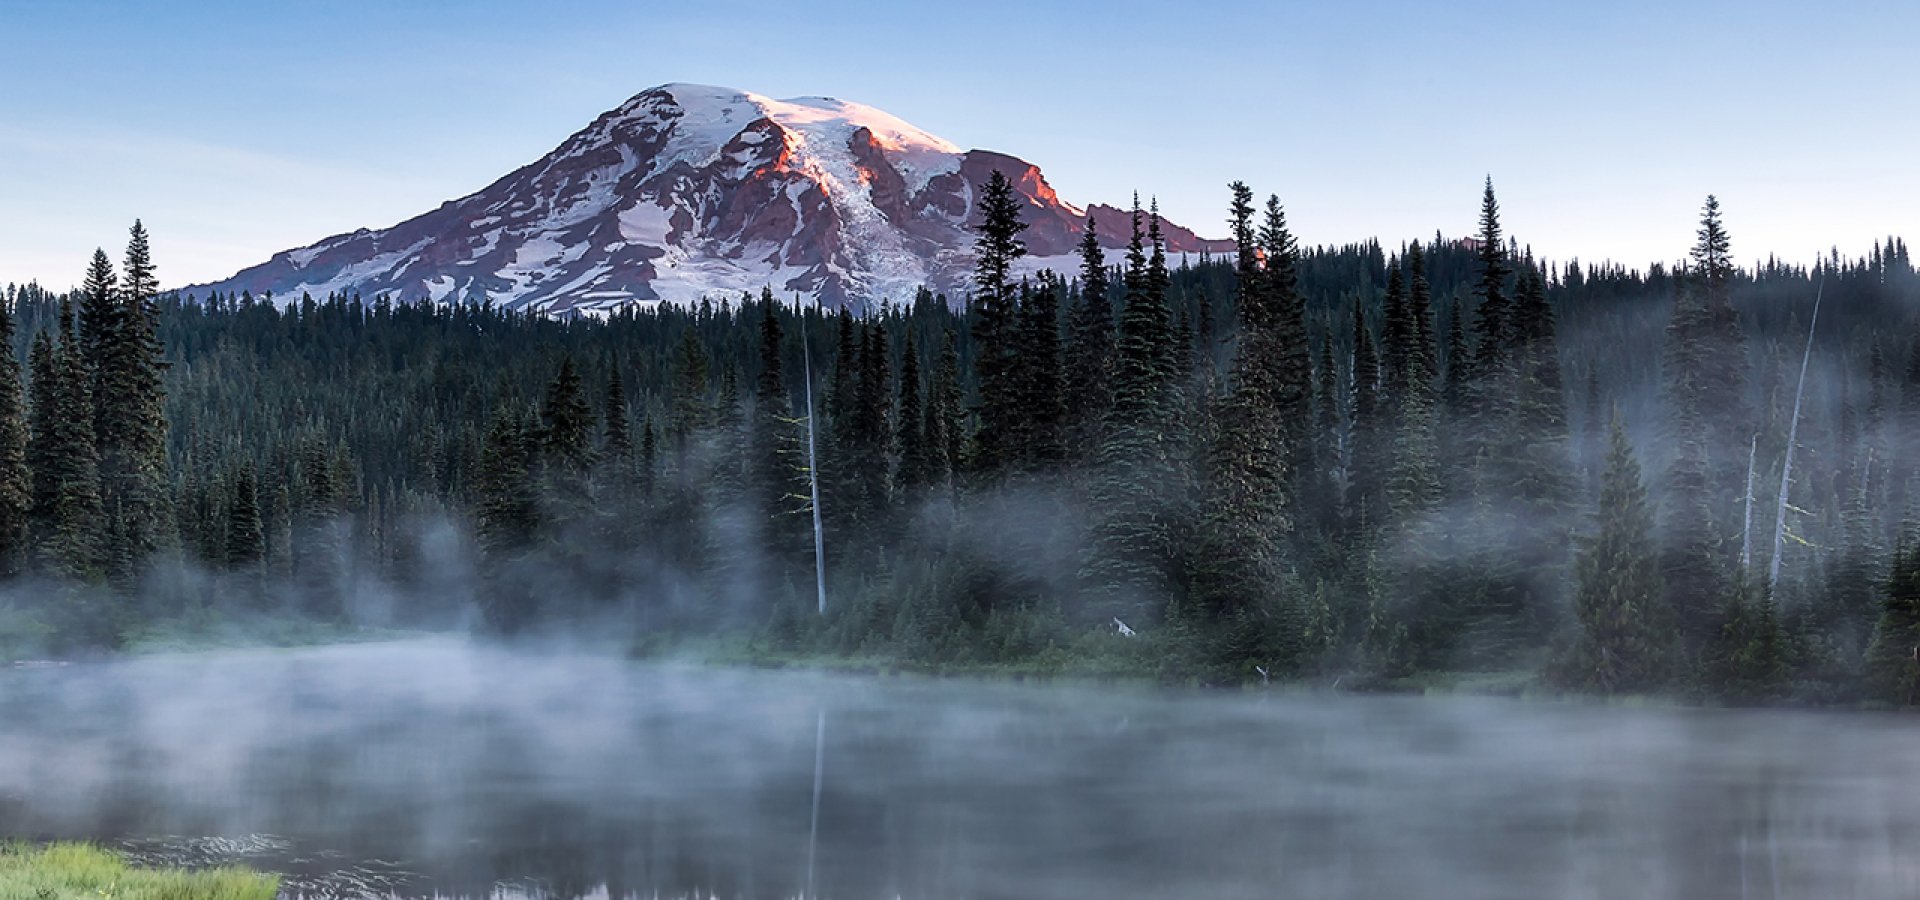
(689, 191)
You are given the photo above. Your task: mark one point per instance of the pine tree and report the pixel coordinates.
(1493, 323)
(1238, 563)
(1089, 358)
(778, 463)
(691, 414)
(73, 548)
(915, 470)
(1038, 391)
(16, 485)
(508, 503)
(101, 320)
(43, 440)
(566, 444)
(616, 439)
(1367, 470)
(566, 423)
(1625, 641)
(1704, 374)
(246, 544)
(1137, 488)
(996, 327)
(1396, 339)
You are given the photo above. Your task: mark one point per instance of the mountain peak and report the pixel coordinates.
(692, 190)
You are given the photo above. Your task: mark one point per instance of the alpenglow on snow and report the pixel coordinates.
(689, 191)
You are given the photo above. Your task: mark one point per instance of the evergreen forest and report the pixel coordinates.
(1359, 465)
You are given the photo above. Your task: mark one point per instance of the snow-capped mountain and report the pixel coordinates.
(689, 190)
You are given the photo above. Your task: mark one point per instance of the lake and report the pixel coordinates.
(442, 768)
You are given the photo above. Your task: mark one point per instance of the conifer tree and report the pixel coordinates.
(246, 544)
(1285, 305)
(616, 439)
(16, 485)
(43, 439)
(566, 447)
(1396, 338)
(508, 503)
(915, 468)
(1369, 429)
(691, 414)
(1492, 320)
(1043, 439)
(1625, 640)
(1704, 374)
(566, 423)
(73, 549)
(120, 349)
(1137, 488)
(1238, 563)
(778, 465)
(996, 327)
(1089, 358)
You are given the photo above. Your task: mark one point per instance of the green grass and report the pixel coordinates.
(84, 872)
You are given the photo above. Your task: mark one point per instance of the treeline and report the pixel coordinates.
(1345, 462)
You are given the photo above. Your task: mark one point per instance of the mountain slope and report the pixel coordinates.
(688, 191)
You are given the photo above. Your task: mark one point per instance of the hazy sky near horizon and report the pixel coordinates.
(236, 129)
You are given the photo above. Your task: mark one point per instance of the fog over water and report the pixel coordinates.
(445, 768)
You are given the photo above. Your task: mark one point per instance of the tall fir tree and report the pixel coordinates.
(1625, 641)
(1239, 564)
(1089, 357)
(1135, 492)
(74, 546)
(996, 326)
(1039, 389)
(16, 481)
(915, 467)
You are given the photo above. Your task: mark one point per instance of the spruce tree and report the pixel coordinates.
(1089, 358)
(43, 440)
(246, 544)
(1238, 563)
(1043, 439)
(778, 466)
(16, 484)
(1368, 434)
(996, 327)
(910, 447)
(1704, 374)
(1136, 490)
(566, 423)
(123, 360)
(616, 439)
(566, 444)
(691, 413)
(1396, 338)
(1492, 320)
(1625, 642)
(73, 549)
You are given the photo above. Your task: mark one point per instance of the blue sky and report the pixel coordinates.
(236, 129)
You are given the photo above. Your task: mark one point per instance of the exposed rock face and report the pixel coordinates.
(688, 191)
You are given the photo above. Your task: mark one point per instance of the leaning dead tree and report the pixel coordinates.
(1793, 438)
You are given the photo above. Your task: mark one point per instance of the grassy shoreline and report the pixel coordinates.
(86, 872)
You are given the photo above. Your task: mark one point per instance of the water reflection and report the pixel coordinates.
(442, 769)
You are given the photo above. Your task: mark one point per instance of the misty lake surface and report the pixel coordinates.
(441, 768)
